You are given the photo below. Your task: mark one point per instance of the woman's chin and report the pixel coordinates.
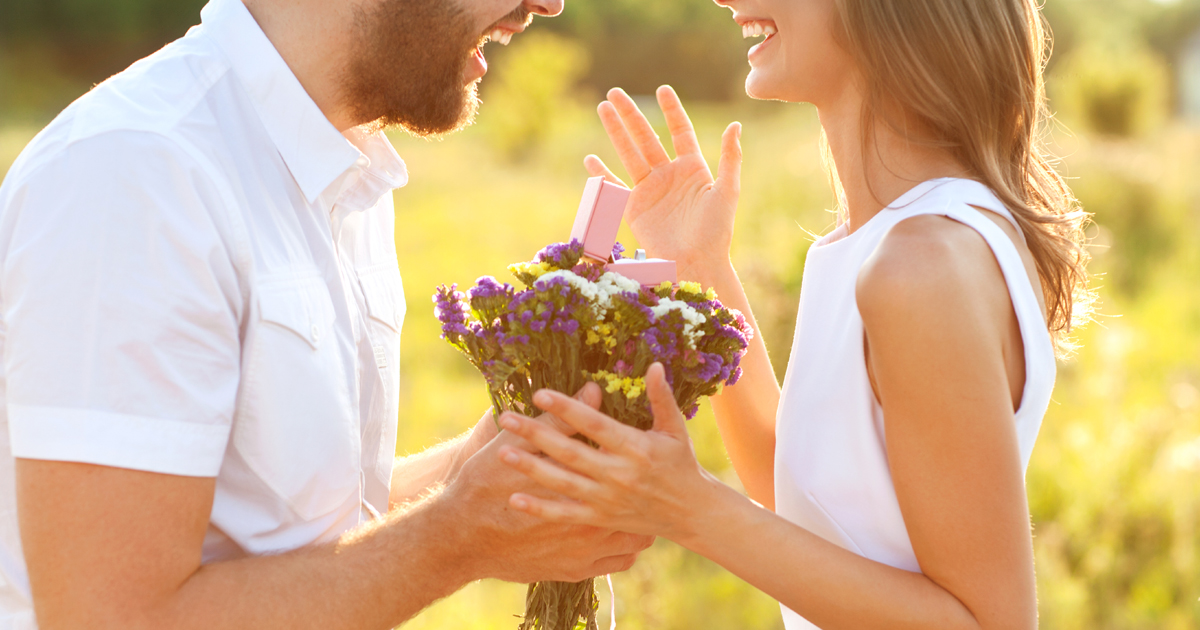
(761, 87)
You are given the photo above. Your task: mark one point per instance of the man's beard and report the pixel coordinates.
(408, 67)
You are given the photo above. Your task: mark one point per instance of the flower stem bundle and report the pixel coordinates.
(575, 322)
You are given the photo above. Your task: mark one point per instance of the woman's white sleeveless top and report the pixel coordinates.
(831, 466)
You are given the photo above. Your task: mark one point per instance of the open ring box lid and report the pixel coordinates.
(596, 225)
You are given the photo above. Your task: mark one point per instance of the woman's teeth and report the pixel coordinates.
(757, 29)
(500, 36)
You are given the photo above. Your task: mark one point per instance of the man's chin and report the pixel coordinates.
(441, 126)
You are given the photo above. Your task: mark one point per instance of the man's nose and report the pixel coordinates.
(548, 8)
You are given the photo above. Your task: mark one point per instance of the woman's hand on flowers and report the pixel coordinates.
(644, 482)
(499, 542)
(677, 210)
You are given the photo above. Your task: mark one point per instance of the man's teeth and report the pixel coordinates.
(500, 36)
(757, 29)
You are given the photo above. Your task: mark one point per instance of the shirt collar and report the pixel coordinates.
(315, 152)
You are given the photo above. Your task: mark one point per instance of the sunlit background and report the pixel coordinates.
(1114, 485)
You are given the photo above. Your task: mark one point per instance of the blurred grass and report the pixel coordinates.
(1114, 485)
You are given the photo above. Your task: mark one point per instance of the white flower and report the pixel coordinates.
(611, 284)
(585, 287)
(691, 318)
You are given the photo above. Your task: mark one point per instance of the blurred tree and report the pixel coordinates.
(532, 91)
(1115, 88)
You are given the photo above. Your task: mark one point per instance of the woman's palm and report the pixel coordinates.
(677, 210)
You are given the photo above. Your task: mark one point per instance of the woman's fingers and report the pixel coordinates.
(729, 171)
(667, 417)
(549, 476)
(627, 149)
(570, 453)
(639, 128)
(605, 431)
(596, 168)
(683, 134)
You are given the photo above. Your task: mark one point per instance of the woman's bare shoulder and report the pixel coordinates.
(934, 269)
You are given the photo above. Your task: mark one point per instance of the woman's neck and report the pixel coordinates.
(890, 166)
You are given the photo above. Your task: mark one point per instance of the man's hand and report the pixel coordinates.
(516, 547)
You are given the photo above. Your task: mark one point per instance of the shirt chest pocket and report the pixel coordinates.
(383, 292)
(296, 430)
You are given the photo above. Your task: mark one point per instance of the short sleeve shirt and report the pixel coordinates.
(198, 277)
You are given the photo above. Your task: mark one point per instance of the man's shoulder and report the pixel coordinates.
(151, 100)
(141, 114)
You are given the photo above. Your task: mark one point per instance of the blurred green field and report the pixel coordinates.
(1114, 485)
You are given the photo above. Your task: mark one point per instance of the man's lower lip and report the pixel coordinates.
(481, 66)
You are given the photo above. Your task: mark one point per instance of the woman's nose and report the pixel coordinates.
(548, 8)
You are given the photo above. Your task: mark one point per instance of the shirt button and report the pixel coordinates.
(362, 161)
(316, 333)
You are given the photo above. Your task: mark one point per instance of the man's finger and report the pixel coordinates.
(596, 168)
(631, 157)
(553, 511)
(667, 417)
(605, 431)
(639, 128)
(614, 564)
(624, 542)
(683, 134)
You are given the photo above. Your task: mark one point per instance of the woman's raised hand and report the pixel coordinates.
(677, 210)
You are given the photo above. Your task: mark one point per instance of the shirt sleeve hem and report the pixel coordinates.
(88, 436)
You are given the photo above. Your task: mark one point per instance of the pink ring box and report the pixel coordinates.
(599, 217)
(649, 272)
(596, 225)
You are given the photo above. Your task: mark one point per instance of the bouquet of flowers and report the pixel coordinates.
(573, 321)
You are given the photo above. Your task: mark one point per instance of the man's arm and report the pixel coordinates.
(414, 476)
(127, 553)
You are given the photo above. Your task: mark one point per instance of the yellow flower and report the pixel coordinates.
(592, 338)
(690, 287)
(665, 285)
(710, 294)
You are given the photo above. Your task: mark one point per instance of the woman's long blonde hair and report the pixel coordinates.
(971, 73)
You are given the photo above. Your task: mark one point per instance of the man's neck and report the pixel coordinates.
(313, 37)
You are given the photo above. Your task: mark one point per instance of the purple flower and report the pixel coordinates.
(735, 377)
(588, 271)
(561, 255)
(662, 344)
(452, 310)
(489, 287)
(564, 325)
(618, 251)
(708, 366)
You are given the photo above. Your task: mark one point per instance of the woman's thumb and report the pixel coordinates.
(667, 417)
(729, 171)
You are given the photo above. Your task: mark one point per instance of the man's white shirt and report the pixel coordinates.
(198, 277)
